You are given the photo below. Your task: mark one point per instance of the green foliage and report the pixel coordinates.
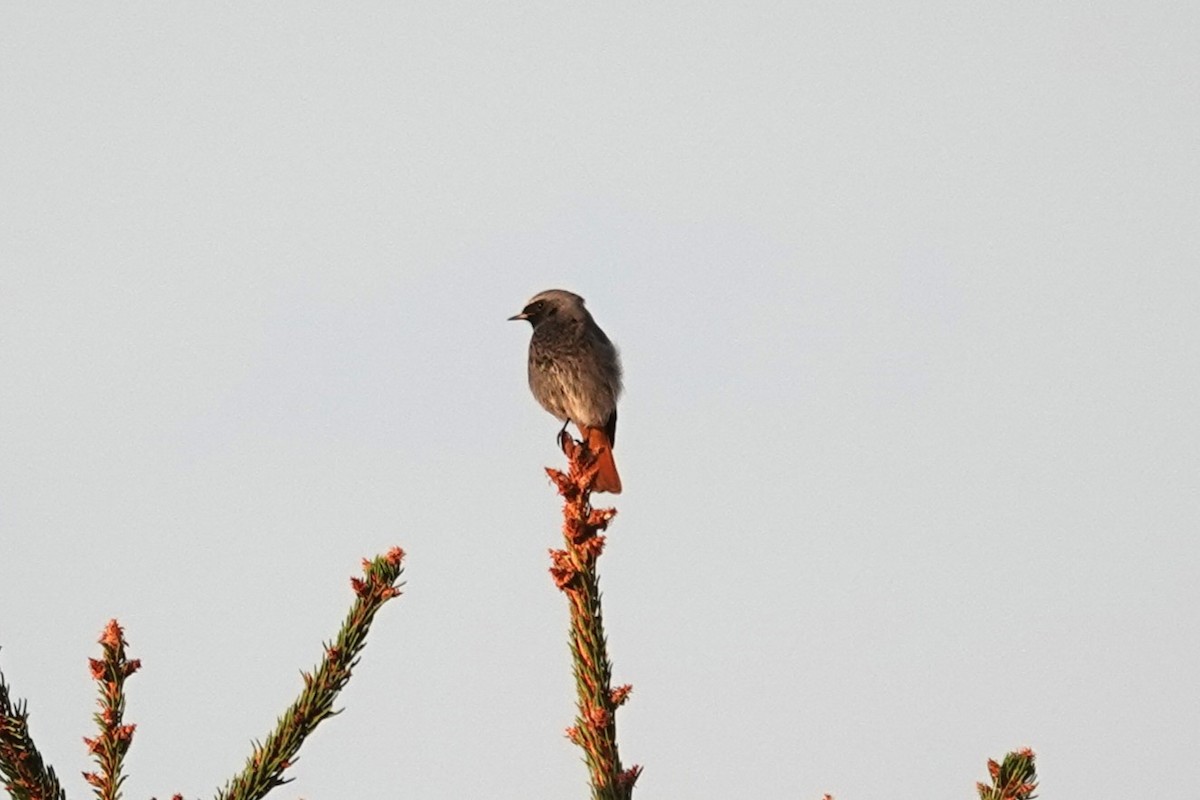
(1015, 778)
(25, 775)
(268, 761)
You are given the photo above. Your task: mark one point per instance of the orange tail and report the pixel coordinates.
(607, 479)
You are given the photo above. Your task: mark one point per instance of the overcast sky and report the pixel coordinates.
(907, 296)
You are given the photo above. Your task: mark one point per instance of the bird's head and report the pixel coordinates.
(552, 304)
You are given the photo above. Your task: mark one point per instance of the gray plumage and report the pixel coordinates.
(574, 369)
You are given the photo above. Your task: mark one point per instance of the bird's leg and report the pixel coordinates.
(563, 437)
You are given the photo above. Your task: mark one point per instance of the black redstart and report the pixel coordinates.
(575, 373)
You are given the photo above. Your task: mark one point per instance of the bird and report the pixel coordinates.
(575, 373)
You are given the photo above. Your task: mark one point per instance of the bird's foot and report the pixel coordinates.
(566, 442)
(563, 437)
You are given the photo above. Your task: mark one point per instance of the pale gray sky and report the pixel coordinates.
(907, 296)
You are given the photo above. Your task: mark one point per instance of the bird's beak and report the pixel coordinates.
(518, 316)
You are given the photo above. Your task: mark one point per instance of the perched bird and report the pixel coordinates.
(575, 373)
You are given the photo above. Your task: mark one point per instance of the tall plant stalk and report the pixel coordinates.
(574, 571)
